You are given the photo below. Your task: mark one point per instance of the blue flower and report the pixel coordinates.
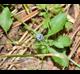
(39, 37)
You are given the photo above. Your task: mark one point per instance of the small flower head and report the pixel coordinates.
(39, 37)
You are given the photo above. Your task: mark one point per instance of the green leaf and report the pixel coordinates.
(68, 26)
(5, 19)
(55, 8)
(58, 44)
(41, 6)
(41, 48)
(57, 23)
(46, 20)
(46, 23)
(65, 40)
(59, 58)
(42, 14)
(62, 41)
(49, 42)
(44, 50)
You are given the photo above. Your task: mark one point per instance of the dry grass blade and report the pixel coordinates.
(76, 28)
(74, 48)
(21, 39)
(72, 37)
(76, 10)
(22, 15)
(67, 7)
(31, 36)
(63, 5)
(71, 19)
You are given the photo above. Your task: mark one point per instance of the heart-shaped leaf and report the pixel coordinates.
(5, 19)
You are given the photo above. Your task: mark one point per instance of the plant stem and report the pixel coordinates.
(18, 55)
(26, 8)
